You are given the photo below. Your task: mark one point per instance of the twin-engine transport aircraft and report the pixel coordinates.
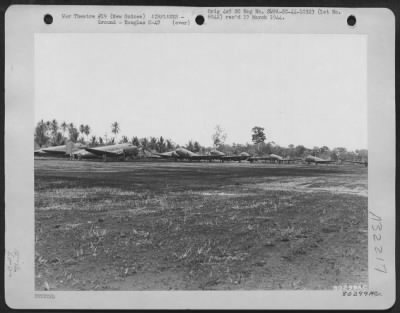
(218, 155)
(119, 150)
(184, 154)
(59, 150)
(312, 159)
(240, 157)
(273, 158)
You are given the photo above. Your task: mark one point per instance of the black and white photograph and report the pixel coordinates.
(246, 169)
(191, 160)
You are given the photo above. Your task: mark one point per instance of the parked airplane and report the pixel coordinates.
(166, 155)
(184, 154)
(312, 159)
(240, 157)
(119, 150)
(214, 155)
(273, 158)
(59, 150)
(217, 153)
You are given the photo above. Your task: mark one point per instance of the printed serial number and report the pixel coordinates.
(361, 293)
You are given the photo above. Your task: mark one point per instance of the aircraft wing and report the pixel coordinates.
(325, 161)
(39, 152)
(233, 158)
(82, 152)
(163, 155)
(251, 159)
(54, 151)
(99, 151)
(204, 157)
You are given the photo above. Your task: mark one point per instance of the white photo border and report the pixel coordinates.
(22, 22)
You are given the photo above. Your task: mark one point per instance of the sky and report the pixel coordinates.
(303, 89)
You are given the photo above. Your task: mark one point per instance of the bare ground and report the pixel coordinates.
(161, 226)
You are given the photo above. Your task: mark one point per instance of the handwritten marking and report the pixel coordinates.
(377, 227)
(12, 264)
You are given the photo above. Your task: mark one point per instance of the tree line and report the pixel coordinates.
(53, 133)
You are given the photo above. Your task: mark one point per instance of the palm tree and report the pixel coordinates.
(71, 128)
(161, 144)
(82, 129)
(64, 127)
(87, 131)
(54, 130)
(115, 129)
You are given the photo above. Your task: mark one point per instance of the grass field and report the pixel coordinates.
(194, 226)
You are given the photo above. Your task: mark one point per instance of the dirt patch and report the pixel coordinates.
(301, 184)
